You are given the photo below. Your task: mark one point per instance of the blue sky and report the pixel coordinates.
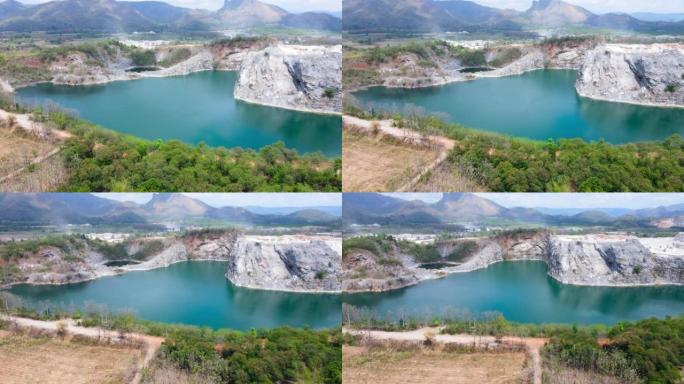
(566, 200)
(601, 6)
(290, 5)
(245, 199)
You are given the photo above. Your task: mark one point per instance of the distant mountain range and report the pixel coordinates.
(366, 16)
(83, 208)
(129, 16)
(649, 16)
(373, 208)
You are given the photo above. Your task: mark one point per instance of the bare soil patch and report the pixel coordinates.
(18, 149)
(379, 157)
(362, 365)
(374, 164)
(27, 359)
(30, 158)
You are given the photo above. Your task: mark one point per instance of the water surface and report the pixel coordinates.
(538, 105)
(199, 107)
(523, 292)
(195, 293)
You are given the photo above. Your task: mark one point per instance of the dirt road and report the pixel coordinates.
(533, 345)
(39, 129)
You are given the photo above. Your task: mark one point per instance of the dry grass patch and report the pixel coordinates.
(18, 148)
(18, 151)
(47, 176)
(392, 364)
(45, 359)
(555, 373)
(164, 373)
(449, 178)
(375, 164)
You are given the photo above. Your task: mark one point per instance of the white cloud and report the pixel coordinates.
(601, 6)
(245, 199)
(291, 5)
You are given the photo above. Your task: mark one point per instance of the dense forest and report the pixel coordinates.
(99, 160)
(277, 355)
(506, 164)
(650, 351)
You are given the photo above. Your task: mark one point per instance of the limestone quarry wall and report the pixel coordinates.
(638, 74)
(306, 78)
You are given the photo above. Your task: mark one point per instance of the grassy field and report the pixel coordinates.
(43, 359)
(376, 162)
(372, 164)
(439, 365)
(18, 150)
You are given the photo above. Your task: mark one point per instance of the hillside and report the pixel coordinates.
(373, 208)
(420, 16)
(83, 208)
(111, 16)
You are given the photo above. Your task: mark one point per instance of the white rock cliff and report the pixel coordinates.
(306, 78)
(638, 74)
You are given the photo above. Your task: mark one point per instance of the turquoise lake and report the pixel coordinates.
(537, 105)
(196, 108)
(194, 293)
(523, 292)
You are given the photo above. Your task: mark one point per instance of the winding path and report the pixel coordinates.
(532, 344)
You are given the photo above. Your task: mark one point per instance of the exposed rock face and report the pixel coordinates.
(361, 273)
(173, 253)
(294, 77)
(286, 263)
(594, 260)
(615, 260)
(63, 269)
(639, 74)
(361, 270)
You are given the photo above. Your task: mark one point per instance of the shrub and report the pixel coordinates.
(672, 88)
(508, 164)
(330, 93)
(143, 58)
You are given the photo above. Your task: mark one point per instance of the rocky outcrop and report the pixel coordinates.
(295, 77)
(363, 271)
(592, 260)
(77, 68)
(286, 263)
(63, 268)
(615, 260)
(5, 87)
(639, 74)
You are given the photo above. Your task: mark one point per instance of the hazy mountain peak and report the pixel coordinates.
(467, 204)
(126, 16)
(175, 205)
(541, 4)
(232, 4)
(249, 13)
(557, 13)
